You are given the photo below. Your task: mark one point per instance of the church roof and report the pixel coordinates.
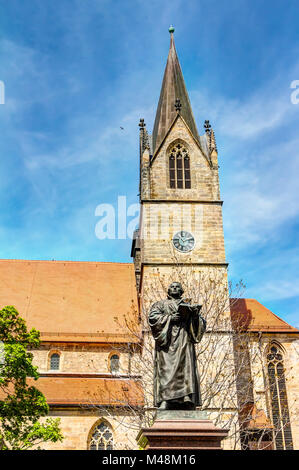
(252, 315)
(90, 391)
(173, 88)
(77, 301)
(72, 301)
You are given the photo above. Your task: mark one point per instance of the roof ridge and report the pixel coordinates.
(290, 326)
(257, 320)
(63, 261)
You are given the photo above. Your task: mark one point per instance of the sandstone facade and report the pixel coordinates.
(89, 312)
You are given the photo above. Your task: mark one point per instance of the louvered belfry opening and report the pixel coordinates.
(179, 168)
(279, 402)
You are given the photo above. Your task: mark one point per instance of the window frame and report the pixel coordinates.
(57, 357)
(111, 356)
(278, 399)
(179, 167)
(101, 435)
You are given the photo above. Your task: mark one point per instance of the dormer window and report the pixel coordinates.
(179, 168)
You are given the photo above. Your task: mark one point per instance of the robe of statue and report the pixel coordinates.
(175, 370)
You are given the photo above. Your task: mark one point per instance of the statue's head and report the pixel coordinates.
(175, 290)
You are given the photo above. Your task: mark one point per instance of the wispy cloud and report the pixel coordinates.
(276, 289)
(259, 161)
(261, 200)
(259, 166)
(75, 75)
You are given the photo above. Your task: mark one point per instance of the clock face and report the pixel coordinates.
(183, 241)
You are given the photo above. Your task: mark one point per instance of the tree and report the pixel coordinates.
(21, 404)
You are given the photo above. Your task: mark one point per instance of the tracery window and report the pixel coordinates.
(279, 403)
(54, 361)
(102, 438)
(179, 168)
(114, 364)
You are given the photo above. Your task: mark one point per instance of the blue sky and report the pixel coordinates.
(76, 71)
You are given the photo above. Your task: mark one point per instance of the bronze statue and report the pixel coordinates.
(176, 326)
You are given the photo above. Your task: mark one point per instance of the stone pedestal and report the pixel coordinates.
(179, 429)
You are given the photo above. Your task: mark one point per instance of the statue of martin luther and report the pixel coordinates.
(176, 326)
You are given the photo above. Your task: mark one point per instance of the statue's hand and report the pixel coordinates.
(196, 307)
(175, 317)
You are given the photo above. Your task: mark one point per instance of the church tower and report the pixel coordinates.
(181, 209)
(180, 236)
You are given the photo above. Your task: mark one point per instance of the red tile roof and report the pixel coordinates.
(252, 315)
(88, 391)
(70, 300)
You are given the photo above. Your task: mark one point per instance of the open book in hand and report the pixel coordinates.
(186, 309)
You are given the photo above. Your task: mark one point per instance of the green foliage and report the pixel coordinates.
(21, 404)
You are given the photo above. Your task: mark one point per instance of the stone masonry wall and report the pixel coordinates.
(80, 358)
(77, 427)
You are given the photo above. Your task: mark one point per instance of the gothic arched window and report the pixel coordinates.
(114, 364)
(101, 438)
(54, 361)
(279, 403)
(179, 168)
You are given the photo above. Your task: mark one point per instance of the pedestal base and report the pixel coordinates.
(179, 429)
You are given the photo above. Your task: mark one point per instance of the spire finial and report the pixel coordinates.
(171, 29)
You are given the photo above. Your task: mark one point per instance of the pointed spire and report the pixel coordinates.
(173, 100)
